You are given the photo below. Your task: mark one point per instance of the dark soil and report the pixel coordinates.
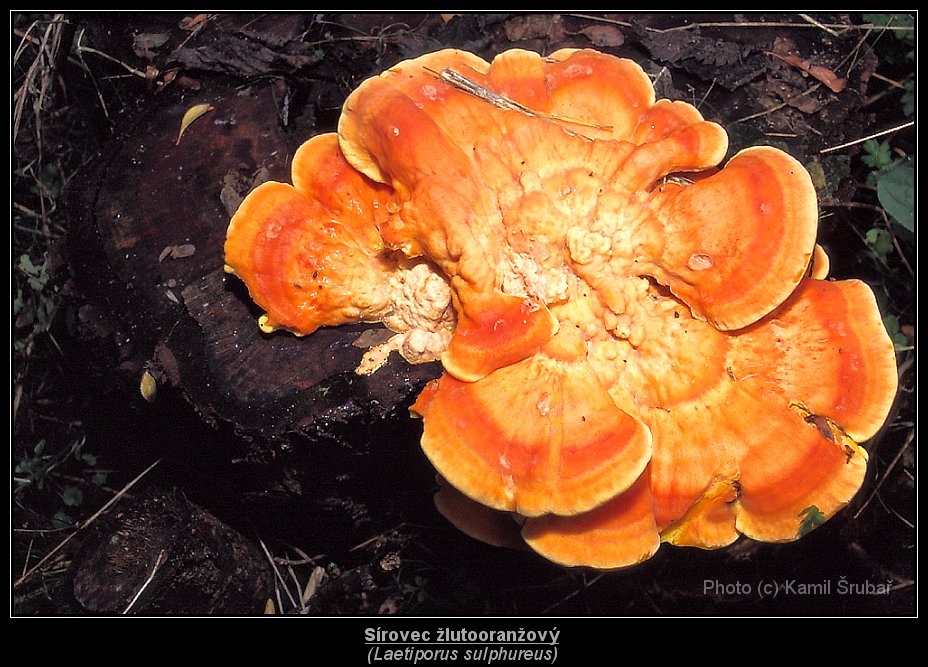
(314, 479)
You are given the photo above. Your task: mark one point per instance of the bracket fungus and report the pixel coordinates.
(639, 346)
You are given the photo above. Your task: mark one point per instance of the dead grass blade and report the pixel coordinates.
(39, 76)
(96, 515)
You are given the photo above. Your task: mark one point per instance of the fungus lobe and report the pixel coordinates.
(639, 342)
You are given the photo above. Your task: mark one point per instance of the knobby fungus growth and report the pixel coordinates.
(639, 346)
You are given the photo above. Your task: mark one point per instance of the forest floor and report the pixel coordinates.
(836, 91)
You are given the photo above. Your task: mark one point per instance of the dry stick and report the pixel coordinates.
(856, 50)
(868, 137)
(806, 17)
(464, 84)
(28, 555)
(199, 27)
(892, 235)
(880, 211)
(886, 79)
(586, 585)
(81, 49)
(278, 576)
(379, 536)
(298, 588)
(895, 513)
(305, 558)
(892, 464)
(84, 525)
(17, 398)
(784, 24)
(812, 23)
(708, 90)
(145, 584)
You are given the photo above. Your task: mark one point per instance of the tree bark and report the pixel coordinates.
(147, 252)
(161, 554)
(274, 433)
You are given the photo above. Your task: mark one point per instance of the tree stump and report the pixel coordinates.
(147, 250)
(275, 433)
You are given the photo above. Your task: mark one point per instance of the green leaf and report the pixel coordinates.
(26, 467)
(895, 189)
(18, 302)
(880, 242)
(36, 274)
(811, 518)
(877, 154)
(62, 520)
(25, 263)
(98, 479)
(72, 496)
(908, 99)
(885, 20)
(891, 322)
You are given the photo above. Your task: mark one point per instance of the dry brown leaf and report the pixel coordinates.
(145, 44)
(191, 22)
(188, 83)
(533, 26)
(177, 251)
(835, 83)
(603, 35)
(819, 72)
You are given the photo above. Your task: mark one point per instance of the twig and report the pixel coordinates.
(892, 235)
(36, 531)
(112, 501)
(810, 23)
(145, 584)
(708, 90)
(806, 17)
(81, 49)
(876, 209)
(868, 137)
(892, 464)
(776, 24)
(894, 512)
(886, 79)
(379, 536)
(28, 555)
(278, 576)
(586, 585)
(464, 84)
(772, 109)
(296, 583)
(304, 558)
(17, 399)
